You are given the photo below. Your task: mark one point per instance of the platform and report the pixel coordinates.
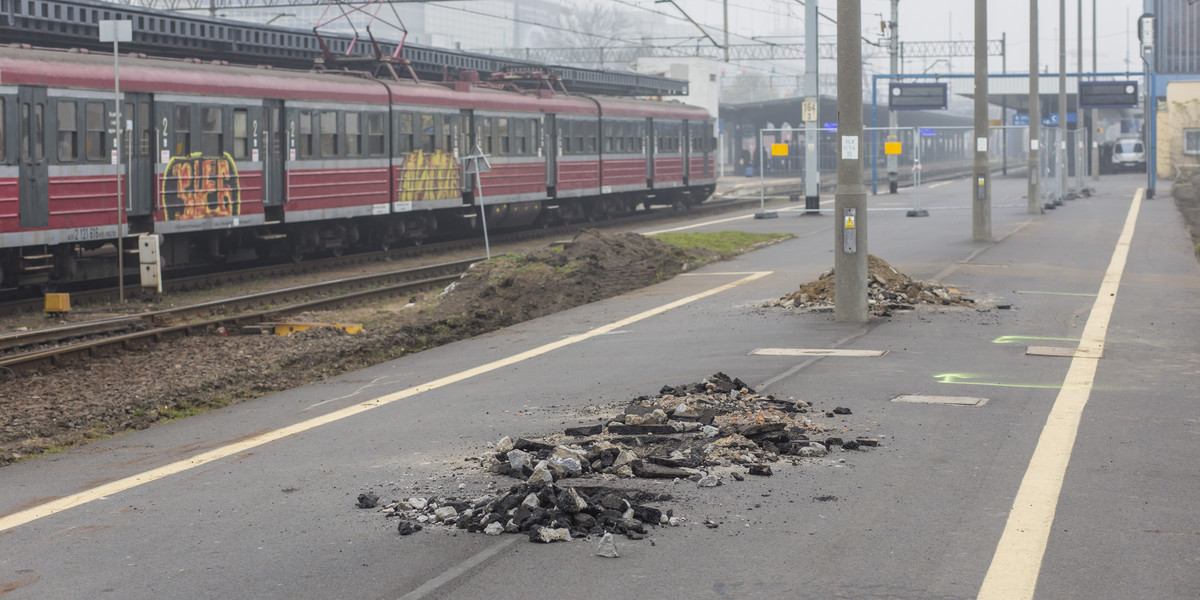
(932, 513)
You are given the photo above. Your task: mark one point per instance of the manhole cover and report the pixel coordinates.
(951, 400)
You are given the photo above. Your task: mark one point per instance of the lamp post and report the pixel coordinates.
(117, 31)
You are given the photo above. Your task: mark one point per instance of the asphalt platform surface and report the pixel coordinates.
(1076, 475)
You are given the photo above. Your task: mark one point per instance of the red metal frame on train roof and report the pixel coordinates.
(380, 62)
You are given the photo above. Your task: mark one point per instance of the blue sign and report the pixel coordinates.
(830, 126)
(927, 132)
(1021, 119)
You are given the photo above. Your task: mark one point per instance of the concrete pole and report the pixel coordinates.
(981, 191)
(1062, 102)
(1095, 140)
(725, 7)
(850, 199)
(1034, 194)
(893, 161)
(812, 94)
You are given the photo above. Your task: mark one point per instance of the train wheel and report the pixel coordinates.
(297, 254)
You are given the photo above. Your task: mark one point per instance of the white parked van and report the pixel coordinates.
(1129, 154)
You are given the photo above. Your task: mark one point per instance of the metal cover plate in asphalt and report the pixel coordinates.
(1056, 351)
(951, 400)
(815, 352)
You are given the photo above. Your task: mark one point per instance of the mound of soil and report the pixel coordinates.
(887, 290)
(133, 389)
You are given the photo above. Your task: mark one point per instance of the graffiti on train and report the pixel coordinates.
(428, 176)
(199, 187)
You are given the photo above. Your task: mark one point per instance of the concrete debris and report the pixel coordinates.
(709, 432)
(888, 290)
(546, 514)
(607, 546)
(368, 500)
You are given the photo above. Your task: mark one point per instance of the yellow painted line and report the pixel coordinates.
(49, 508)
(693, 226)
(940, 184)
(1013, 573)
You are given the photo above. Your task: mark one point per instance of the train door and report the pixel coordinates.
(686, 141)
(651, 146)
(273, 159)
(34, 172)
(551, 147)
(467, 147)
(138, 152)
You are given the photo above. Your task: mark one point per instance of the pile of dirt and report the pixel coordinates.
(711, 432)
(134, 389)
(888, 290)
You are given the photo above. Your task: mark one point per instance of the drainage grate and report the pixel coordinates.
(950, 400)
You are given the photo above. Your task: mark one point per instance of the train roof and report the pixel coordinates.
(82, 69)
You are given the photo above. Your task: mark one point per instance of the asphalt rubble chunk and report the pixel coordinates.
(604, 479)
(888, 290)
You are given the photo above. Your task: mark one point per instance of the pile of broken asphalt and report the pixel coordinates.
(888, 290)
(706, 433)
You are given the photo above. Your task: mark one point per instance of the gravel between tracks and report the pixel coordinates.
(132, 390)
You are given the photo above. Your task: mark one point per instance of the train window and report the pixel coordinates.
(608, 136)
(502, 134)
(485, 134)
(404, 141)
(241, 134)
(39, 146)
(428, 134)
(521, 136)
(329, 133)
(353, 138)
(126, 136)
(565, 133)
(446, 125)
(2, 157)
(68, 132)
(593, 132)
(183, 130)
(580, 131)
(95, 142)
(306, 133)
(212, 135)
(144, 143)
(24, 131)
(375, 136)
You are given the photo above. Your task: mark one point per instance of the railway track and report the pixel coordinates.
(208, 280)
(24, 351)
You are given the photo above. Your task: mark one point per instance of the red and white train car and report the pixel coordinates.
(220, 159)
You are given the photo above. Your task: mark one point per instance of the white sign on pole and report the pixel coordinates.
(116, 31)
(849, 147)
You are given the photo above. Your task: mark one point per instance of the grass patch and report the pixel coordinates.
(725, 242)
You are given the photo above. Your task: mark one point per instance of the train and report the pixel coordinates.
(221, 160)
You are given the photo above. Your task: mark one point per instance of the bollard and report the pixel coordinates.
(812, 205)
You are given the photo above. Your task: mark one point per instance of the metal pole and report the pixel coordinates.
(893, 161)
(812, 97)
(850, 199)
(1095, 143)
(762, 178)
(981, 197)
(117, 155)
(725, 6)
(1062, 102)
(1004, 105)
(1079, 140)
(482, 209)
(1034, 194)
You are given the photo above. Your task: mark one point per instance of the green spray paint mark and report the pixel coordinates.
(1017, 339)
(961, 379)
(1056, 293)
